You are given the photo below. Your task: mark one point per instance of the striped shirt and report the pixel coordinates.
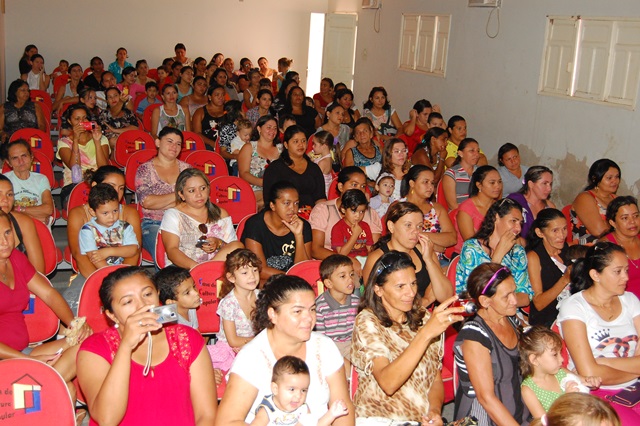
(335, 320)
(462, 179)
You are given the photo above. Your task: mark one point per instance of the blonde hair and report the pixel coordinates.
(579, 409)
(535, 341)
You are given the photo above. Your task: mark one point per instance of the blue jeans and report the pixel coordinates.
(150, 229)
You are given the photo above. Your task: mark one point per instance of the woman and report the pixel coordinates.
(221, 78)
(281, 97)
(333, 124)
(455, 181)
(395, 162)
(89, 97)
(418, 123)
(510, 169)
(155, 184)
(484, 189)
(283, 318)
(306, 116)
(142, 69)
(534, 195)
(37, 78)
(25, 236)
(277, 235)
(486, 352)
(117, 118)
(177, 373)
(590, 206)
(385, 119)
(205, 119)
(432, 151)
(623, 216)
(265, 71)
(31, 190)
(344, 97)
(417, 187)
(200, 67)
(295, 167)
(196, 230)
(254, 157)
(25, 61)
(404, 222)
(94, 78)
(599, 314)
(217, 59)
(129, 87)
(365, 152)
(82, 150)
(497, 241)
(324, 97)
(265, 99)
(68, 93)
(397, 345)
(250, 95)
(20, 112)
(198, 98)
(183, 85)
(170, 114)
(547, 265)
(117, 66)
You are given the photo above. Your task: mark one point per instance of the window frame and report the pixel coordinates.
(435, 38)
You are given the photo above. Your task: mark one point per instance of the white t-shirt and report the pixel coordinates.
(255, 361)
(28, 192)
(607, 339)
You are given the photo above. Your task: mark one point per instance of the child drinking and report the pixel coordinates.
(176, 285)
(541, 365)
(242, 273)
(351, 236)
(106, 239)
(287, 403)
(337, 307)
(324, 155)
(243, 136)
(385, 185)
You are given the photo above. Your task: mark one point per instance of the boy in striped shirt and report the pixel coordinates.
(337, 307)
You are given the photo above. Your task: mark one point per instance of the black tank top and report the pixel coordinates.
(549, 274)
(20, 246)
(422, 275)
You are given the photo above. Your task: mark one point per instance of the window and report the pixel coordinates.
(424, 43)
(592, 59)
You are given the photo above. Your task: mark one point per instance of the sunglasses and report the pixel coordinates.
(501, 273)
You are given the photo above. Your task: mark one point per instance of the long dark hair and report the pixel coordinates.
(500, 209)
(598, 170)
(412, 175)
(598, 257)
(478, 176)
(288, 134)
(545, 216)
(434, 132)
(213, 211)
(369, 103)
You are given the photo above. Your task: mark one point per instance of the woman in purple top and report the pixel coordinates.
(534, 195)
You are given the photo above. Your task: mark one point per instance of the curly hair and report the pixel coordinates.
(498, 209)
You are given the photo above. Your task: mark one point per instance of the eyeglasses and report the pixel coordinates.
(400, 151)
(500, 273)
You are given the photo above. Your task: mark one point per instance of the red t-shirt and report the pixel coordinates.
(341, 232)
(13, 329)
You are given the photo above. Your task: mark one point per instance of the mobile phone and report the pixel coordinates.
(200, 243)
(470, 307)
(167, 313)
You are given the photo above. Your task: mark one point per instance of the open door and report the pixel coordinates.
(339, 51)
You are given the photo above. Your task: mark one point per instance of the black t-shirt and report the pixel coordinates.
(279, 251)
(24, 66)
(92, 81)
(310, 184)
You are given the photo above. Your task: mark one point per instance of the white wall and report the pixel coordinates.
(493, 84)
(78, 30)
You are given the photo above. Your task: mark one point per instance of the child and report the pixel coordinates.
(435, 120)
(106, 239)
(579, 409)
(544, 378)
(337, 307)
(351, 236)
(385, 185)
(265, 83)
(176, 285)
(243, 136)
(163, 77)
(239, 294)
(287, 403)
(324, 155)
(63, 69)
(151, 89)
(284, 121)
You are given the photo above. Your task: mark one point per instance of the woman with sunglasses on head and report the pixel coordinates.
(196, 230)
(486, 352)
(497, 241)
(396, 345)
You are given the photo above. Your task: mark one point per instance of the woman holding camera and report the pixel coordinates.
(139, 363)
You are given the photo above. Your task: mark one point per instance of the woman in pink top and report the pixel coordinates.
(623, 216)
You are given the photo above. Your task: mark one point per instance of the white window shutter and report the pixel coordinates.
(408, 42)
(625, 64)
(557, 72)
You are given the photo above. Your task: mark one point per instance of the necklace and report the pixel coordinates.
(633, 263)
(610, 311)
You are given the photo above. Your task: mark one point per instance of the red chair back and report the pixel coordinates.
(566, 211)
(161, 253)
(39, 141)
(235, 195)
(211, 163)
(60, 81)
(129, 142)
(42, 322)
(309, 270)
(34, 393)
(42, 97)
(40, 164)
(208, 277)
(453, 216)
(332, 194)
(564, 351)
(448, 365)
(240, 227)
(451, 271)
(134, 161)
(89, 305)
(146, 117)
(353, 385)
(79, 196)
(440, 197)
(309, 145)
(191, 142)
(49, 248)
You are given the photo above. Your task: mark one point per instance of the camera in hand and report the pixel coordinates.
(469, 306)
(201, 241)
(167, 313)
(88, 125)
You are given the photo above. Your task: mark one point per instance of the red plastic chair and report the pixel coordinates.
(39, 141)
(40, 164)
(161, 253)
(451, 271)
(89, 305)
(78, 196)
(208, 277)
(453, 216)
(42, 322)
(191, 142)
(240, 227)
(353, 383)
(42, 97)
(34, 394)
(129, 142)
(46, 111)
(235, 195)
(440, 197)
(564, 351)
(449, 379)
(566, 211)
(60, 81)
(146, 117)
(134, 161)
(309, 270)
(211, 163)
(333, 190)
(52, 254)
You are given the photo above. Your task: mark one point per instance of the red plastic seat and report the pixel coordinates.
(60, 81)
(333, 190)
(440, 197)
(211, 163)
(566, 211)
(161, 253)
(146, 117)
(135, 160)
(240, 227)
(564, 351)
(453, 216)
(449, 379)
(78, 197)
(89, 305)
(451, 271)
(129, 142)
(42, 322)
(309, 270)
(40, 164)
(208, 277)
(42, 97)
(235, 195)
(192, 142)
(52, 254)
(39, 141)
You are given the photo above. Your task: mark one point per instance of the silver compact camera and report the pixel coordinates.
(166, 313)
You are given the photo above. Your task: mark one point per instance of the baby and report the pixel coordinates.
(243, 136)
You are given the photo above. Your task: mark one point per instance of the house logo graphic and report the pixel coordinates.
(140, 144)
(191, 145)
(31, 307)
(233, 193)
(35, 167)
(36, 142)
(209, 169)
(27, 394)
